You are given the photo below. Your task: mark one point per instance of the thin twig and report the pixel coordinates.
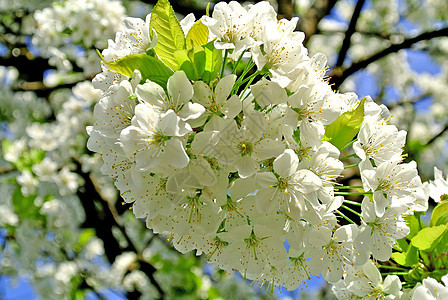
(338, 76)
(434, 138)
(348, 34)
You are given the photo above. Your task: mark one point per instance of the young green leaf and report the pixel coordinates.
(408, 258)
(24, 205)
(169, 33)
(213, 62)
(197, 36)
(414, 224)
(428, 238)
(438, 213)
(345, 127)
(150, 67)
(192, 62)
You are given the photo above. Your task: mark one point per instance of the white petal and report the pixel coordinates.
(346, 233)
(246, 166)
(174, 154)
(268, 148)
(242, 187)
(151, 93)
(191, 111)
(267, 200)
(372, 272)
(201, 169)
(286, 164)
(223, 88)
(202, 93)
(232, 107)
(171, 125)
(179, 88)
(392, 285)
(368, 210)
(268, 92)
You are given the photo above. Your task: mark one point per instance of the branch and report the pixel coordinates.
(381, 35)
(410, 101)
(348, 34)
(319, 9)
(285, 9)
(103, 220)
(338, 76)
(185, 7)
(434, 138)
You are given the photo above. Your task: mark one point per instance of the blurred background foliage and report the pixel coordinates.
(64, 229)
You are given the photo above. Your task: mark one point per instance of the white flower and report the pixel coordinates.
(282, 50)
(232, 25)
(152, 138)
(310, 108)
(66, 271)
(216, 102)
(437, 188)
(368, 283)
(391, 179)
(46, 169)
(241, 148)
(251, 248)
(288, 188)
(67, 181)
(28, 183)
(114, 112)
(180, 91)
(378, 234)
(331, 253)
(378, 140)
(325, 164)
(431, 289)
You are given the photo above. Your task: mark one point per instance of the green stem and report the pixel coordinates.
(349, 193)
(352, 202)
(340, 187)
(345, 217)
(351, 210)
(248, 84)
(250, 77)
(348, 156)
(238, 83)
(238, 62)
(346, 146)
(395, 273)
(392, 268)
(224, 62)
(351, 166)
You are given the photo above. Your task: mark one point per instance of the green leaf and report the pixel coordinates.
(437, 213)
(428, 238)
(442, 245)
(414, 224)
(192, 62)
(403, 244)
(408, 258)
(170, 36)
(345, 127)
(213, 62)
(197, 36)
(85, 236)
(150, 67)
(438, 274)
(442, 219)
(24, 205)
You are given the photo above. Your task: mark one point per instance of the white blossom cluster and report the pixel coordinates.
(247, 178)
(414, 81)
(69, 31)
